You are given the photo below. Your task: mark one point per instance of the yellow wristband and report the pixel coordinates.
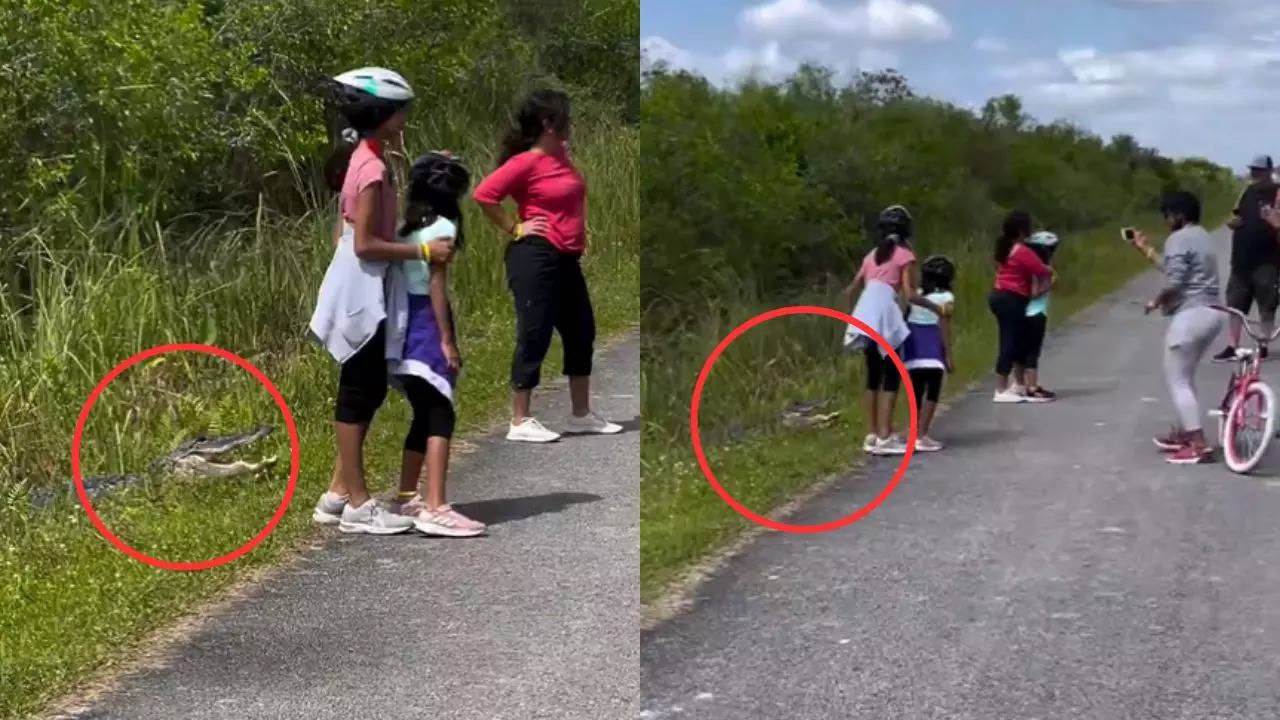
(515, 231)
(426, 251)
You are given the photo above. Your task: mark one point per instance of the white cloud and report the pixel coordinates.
(881, 21)
(655, 49)
(990, 44)
(767, 62)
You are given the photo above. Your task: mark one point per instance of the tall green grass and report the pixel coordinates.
(761, 463)
(70, 601)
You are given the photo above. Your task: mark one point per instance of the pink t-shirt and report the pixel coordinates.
(891, 271)
(364, 169)
(543, 185)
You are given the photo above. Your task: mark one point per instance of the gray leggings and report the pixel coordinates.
(1188, 337)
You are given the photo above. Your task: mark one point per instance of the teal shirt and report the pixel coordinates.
(1038, 306)
(418, 272)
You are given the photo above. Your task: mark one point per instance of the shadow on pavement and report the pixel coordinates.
(975, 437)
(1073, 393)
(502, 510)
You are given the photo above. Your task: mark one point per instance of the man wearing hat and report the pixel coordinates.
(1255, 256)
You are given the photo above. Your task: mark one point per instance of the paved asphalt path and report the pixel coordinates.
(538, 620)
(1047, 565)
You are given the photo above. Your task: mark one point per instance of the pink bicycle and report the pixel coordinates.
(1246, 416)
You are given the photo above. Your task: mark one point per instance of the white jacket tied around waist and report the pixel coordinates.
(351, 302)
(878, 308)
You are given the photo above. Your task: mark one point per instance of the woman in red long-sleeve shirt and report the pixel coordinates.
(1020, 273)
(543, 260)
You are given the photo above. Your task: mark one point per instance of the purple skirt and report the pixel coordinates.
(423, 356)
(923, 347)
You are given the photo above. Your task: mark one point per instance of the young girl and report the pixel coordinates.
(350, 308)
(927, 351)
(1017, 267)
(421, 328)
(888, 274)
(1026, 372)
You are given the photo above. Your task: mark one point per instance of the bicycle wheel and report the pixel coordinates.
(1249, 426)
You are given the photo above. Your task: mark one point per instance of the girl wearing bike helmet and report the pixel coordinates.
(927, 351)
(350, 308)
(887, 275)
(1191, 288)
(1027, 370)
(420, 326)
(1018, 268)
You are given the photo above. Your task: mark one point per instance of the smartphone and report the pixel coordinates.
(1128, 234)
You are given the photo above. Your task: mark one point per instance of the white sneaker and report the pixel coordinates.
(927, 444)
(329, 509)
(373, 519)
(889, 446)
(1008, 396)
(869, 443)
(531, 431)
(590, 423)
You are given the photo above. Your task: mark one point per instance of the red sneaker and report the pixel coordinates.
(1172, 441)
(1189, 455)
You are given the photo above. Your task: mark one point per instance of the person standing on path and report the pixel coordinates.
(927, 353)
(888, 274)
(350, 312)
(1190, 289)
(1027, 370)
(1255, 258)
(543, 260)
(1018, 269)
(422, 334)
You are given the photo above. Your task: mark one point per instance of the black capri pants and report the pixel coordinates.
(433, 414)
(550, 294)
(1010, 310)
(362, 382)
(882, 374)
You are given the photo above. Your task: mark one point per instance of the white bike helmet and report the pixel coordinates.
(1043, 238)
(378, 82)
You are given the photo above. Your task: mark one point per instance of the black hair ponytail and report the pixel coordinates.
(1017, 226)
(540, 107)
(885, 249)
(335, 168)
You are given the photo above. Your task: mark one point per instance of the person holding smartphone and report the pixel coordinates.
(1255, 257)
(1190, 288)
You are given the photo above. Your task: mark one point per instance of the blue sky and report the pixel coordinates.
(1189, 77)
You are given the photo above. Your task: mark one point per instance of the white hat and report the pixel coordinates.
(1044, 237)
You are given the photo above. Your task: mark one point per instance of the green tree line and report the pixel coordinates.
(765, 188)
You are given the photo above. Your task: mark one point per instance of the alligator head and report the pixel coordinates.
(203, 456)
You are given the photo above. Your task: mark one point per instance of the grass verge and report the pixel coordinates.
(71, 602)
(761, 464)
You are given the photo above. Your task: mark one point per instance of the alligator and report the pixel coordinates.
(801, 414)
(199, 457)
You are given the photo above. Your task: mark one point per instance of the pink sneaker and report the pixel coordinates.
(410, 507)
(447, 522)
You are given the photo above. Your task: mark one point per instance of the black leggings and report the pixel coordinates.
(882, 374)
(927, 383)
(433, 414)
(550, 294)
(362, 382)
(1037, 325)
(1010, 310)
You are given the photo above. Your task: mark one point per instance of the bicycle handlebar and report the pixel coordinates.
(1244, 320)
